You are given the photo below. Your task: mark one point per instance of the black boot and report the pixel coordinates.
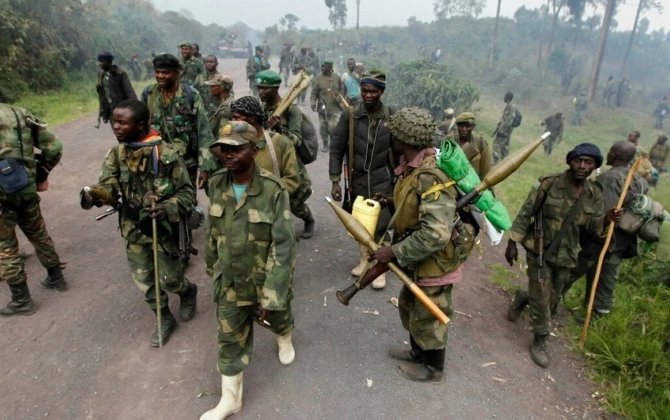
(54, 280)
(413, 354)
(538, 351)
(188, 302)
(432, 369)
(168, 325)
(21, 303)
(518, 304)
(308, 230)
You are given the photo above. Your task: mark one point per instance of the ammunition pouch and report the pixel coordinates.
(13, 175)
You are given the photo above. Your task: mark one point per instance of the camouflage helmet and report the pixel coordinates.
(413, 126)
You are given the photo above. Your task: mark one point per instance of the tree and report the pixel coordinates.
(556, 6)
(610, 9)
(641, 7)
(337, 13)
(448, 8)
(493, 53)
(289, 21)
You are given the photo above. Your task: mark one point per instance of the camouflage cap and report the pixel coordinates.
(413, 126)
(236, 133)
(268, 78)
(185, 44)
(220, 80)
(465, 118)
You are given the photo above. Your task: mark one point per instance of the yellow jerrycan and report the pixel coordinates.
(366, 211)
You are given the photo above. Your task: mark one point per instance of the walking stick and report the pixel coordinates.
(601, 258)
(157, 289)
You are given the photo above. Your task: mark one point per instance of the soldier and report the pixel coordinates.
(658, 155)
(580, 104)
(504, 129)
(113, 86)
(661, 111)
(196, 51)
(475, 147)
(192, 67)
(250, 256)
(621, 91)
(286, 57)
(553, 124)
(609, 92)
(351, 83)
(645, 168)
(290, 125)
(178, 114)
(221, 89)
(447, 127)
(256, 64)
(134, 66)
(425, 218)
(372, 158)
(211, 63)
(143, 169)
(326, 88)
(624, 245)
(21, 132)
(558, 209)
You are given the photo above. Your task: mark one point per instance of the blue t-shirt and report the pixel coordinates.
(238, 190)
(353, 88)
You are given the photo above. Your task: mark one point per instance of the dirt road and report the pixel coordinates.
(85, 354)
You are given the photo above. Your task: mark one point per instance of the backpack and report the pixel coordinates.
(517, 118)
(643, 217)
(309, 147)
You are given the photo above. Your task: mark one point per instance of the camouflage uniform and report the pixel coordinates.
(22, 208)
(291, 122)
(209, 102)
(287, 162)
(220, 116)
(129, 172)
(503, 133)
(255, 65)
(183, 123)
(327, 106)
(250, 253)
(553, 124)
(557, 198)
(191, 69)
(658, 156)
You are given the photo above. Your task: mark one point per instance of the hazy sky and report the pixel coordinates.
(314, 14)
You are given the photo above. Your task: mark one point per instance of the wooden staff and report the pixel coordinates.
(298, 85)
(157, 285)
(601, 258)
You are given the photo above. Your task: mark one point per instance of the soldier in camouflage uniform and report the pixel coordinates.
(221, 89)
(504, 129)
(290, 125)
(566, 205)
(659, 154)
(192, 67)
(143, 168)
(209, 101)
(553, 124)
(256, 64)
(250, 256)
(178, 114)
(326, 88)
(475, 147)
(302, 62)
(20, 133)
(425, 201)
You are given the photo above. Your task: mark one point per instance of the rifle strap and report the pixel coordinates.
(18, 131)
(273, 153)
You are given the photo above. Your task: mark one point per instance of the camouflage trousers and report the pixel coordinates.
(298, 200)
(428, 332)
(604, 299)
(327, 123)
(500, 147)
(545, 288)
(236, 334)
(171, 271)
(23, 211)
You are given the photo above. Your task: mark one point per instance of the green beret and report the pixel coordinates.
(268, 78)
(465, 117)
(327, 63)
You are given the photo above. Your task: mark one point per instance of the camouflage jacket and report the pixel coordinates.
(191, 69)
(255, 65)
(556, 196)
(291, 122)
(129, 172)
(658, 156)
(250, 250)
(425, 220)
(34, 134)
(220, 116)
(478, 152)
(505, 125)
(287, 161)
(302, 62)
(322, 86)
(210, 102)
(182, 123)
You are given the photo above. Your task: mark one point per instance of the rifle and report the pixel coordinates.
(348, 164)
(108, 212)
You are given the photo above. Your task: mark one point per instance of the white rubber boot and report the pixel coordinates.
(231, 398)
(362, 264)
(379, 282)
(286, 351)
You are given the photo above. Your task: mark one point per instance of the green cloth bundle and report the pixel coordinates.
(453, 162)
